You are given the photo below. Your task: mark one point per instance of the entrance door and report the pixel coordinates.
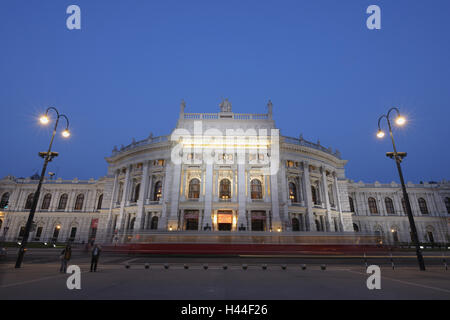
(224, 220)
(191, 219)
(258, 221)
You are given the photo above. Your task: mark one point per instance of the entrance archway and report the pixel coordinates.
(191, 220)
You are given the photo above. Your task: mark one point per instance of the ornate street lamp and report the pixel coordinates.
(48, 156)
(398, 156)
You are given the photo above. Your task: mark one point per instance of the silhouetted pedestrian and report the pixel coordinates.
(95, 256)
(65, 256)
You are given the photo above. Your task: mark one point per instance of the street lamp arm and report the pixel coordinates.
(392, 109)
(52, 108)
(67, 120)
(379, 120)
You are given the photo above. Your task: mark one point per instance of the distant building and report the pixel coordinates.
(221, 172)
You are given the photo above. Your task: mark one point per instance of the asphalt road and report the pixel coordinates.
(343, 278)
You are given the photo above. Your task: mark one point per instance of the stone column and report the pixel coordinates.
(174, 197)
(327, 200)
(138, 223)
(241, 193)
(276, 221)
(207, 218)
(121, 220)
(338, 202)
(111, 203)
(310, 224)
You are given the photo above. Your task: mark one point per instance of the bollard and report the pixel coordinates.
(303, 266)
(166, 266)
(323, 267)
(147, 266)
(186, 266)
(244, 266)
(283, 266)
(225, 267)
(264, 266)
(205, 266)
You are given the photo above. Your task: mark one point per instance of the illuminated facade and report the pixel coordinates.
(224, 172)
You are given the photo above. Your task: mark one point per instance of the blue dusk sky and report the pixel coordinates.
(124, 73)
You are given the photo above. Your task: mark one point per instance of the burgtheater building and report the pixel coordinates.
(217, 173)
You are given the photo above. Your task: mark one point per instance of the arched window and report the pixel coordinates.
(404, 205)
(352, 205)
(63, 201)
(137, 189)
(225, 189)
(373, 206)
(423, 206)
(389, 205)
(256, 189)
(355, 227)
(292, 192)
(154, 223)
(158, 191)
(447, 204)
(29, 201)
(4, 201)
(295, 224)
(79, 202)
(315, 200)
(46, 201)
(99, 202)
(194, 189)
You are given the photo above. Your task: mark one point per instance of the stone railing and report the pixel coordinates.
(305, 143)
(234, 116)
(135, 144)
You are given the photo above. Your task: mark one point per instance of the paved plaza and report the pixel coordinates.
(343, 279)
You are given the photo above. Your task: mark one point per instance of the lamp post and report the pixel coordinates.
(48, 156)
(398, 156)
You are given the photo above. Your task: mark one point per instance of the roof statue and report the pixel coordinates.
(225, 106)
(270, 106)
(182, 106)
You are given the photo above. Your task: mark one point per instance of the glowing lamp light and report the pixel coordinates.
(400, 120)
(279, 229)
(44, 119)
(58, 227)
(66, 133)
(170, 228)
(380, 134)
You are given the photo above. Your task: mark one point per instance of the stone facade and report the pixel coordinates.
(221, 172)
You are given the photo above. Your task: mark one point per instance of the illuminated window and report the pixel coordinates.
(158, 191)
(256, 189)
(194, 189)
(225, 189)
(292, 192)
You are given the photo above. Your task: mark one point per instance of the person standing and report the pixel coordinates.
(95, 255)
(66, 254)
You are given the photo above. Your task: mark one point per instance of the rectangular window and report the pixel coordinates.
(38, 234)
